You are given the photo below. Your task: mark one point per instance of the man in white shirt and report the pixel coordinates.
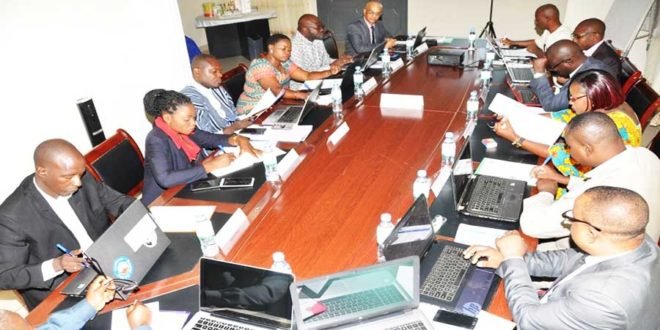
(611, 282)
(546, 18)
(589, 36)
(58, 204)
(594, 141)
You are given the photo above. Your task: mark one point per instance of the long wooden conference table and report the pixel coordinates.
(324, 215)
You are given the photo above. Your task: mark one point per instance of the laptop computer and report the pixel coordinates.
(127, 250)
(487, 196)
(364, 62)
(292, 115)
(347, 87)
(236, 296)
(524, 94)
(520, 72)
(381, 296)
(447, 279)
(401, 48)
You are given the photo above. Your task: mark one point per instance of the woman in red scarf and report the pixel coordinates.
(173, 150)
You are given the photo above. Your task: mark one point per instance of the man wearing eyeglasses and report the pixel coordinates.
(307, 48)
(589, 36)
(563, 59)
(366, 33)
(58, 204)
(611, 282)
(593, 140)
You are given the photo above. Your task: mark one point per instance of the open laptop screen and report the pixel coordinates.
(357, 295)
(228, 289)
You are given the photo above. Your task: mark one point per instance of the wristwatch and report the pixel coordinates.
(518, 142)
(234, 136)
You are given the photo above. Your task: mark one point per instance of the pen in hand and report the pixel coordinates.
(68, 252)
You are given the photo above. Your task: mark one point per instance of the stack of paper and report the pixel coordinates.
(521, 52)
(266, 101)
(243, 160)
(159, 319)
(507, 170)
(532, 127)
(180, 219)
(293, 133)
(325, 83)
(477, 235)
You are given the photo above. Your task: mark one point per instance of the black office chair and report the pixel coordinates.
(644, 101)
(630, 75)
(118, 162)
(331, 45)
(233, 81)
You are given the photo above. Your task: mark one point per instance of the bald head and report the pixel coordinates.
(59, 167)
(54, 151)
(372, 11)
(549, 11)
(11, 320)
(565, 56)
(594, 128)
(202, 60)
(617, 211)
(311, 27)
(207, 71)
(589, 32)
(546, 17)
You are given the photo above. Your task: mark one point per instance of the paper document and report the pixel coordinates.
(266, 101)
(180, 219)
(477, 235)
(377, 65)
(325, 83)
(488, 321)
(532, 127)
(521, 52)
(324, 99)
(242, 161)
(166, 320)
(507, 170)
(401, 101)
(295, 133)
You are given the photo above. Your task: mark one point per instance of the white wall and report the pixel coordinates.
(55, 52)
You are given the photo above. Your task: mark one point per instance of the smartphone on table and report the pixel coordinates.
(236, 182)
(206, 184)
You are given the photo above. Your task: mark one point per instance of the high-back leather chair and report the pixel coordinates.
(644, 101)
(331, 45)
(119, 163)
(233, 81)
(630, 75)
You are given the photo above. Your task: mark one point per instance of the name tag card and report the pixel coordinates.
(440, 181)
(401, 101)
(286, 166)
(369, 85)
(229, 234)
(421, 48)
(338, 133)
(396, 65)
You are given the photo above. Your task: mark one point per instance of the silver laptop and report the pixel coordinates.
(520, 72)
(382, 296)
(293, 115)
(236, 296)
(127, 250)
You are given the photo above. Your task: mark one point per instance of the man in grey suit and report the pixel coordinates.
(563, 59)
(364, 34)
(610, 283)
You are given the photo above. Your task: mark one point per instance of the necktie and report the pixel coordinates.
(373, 35)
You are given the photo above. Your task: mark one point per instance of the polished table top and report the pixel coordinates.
(323, 217)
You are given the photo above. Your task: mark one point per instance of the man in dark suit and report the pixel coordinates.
(589, 36)
(563, 59)
(611, 282)
(59, 203)
(364, 34)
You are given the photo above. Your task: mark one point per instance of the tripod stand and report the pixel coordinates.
(489, 28)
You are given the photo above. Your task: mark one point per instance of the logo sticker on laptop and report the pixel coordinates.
(122, 267)
(471, 308)
(152, 240)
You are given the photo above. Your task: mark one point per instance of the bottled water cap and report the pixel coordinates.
(278, 256)
(421, 173)
(449, 135)
(386, 217)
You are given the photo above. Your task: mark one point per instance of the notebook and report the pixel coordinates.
(127, 250)
(236, 296)
(381, 296)
(487, 196)
(293, 115)
(447, 279)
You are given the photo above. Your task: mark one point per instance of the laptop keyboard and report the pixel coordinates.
(290, 115)
(359, 301)
(488, 194)
(521, 74)
(409, 326)
(528, 97)
(447, 274)
(206, 323)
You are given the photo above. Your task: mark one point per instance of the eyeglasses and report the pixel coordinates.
(552, 68)
(569, 219)
(580, 36)
(575, 98)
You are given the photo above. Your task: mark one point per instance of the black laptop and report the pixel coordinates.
(418, 41)
(447, 279)
(487, 196)
(127, 250)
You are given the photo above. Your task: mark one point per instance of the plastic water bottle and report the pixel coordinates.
(472, 107)
(336, 99)
(358, 79)
(206, 236)
(280, 264)
(448, 150)
(485, 83)
(472, 37)
(270, 163)
(386, 62)
(422, 184)
(410, 54)
(383, 230)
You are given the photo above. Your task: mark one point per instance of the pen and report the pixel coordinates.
(68, 252)
(221, 149)
(307, 86)
(545, 162)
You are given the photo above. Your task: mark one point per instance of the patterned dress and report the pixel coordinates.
(252, 90)
(630, 131)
